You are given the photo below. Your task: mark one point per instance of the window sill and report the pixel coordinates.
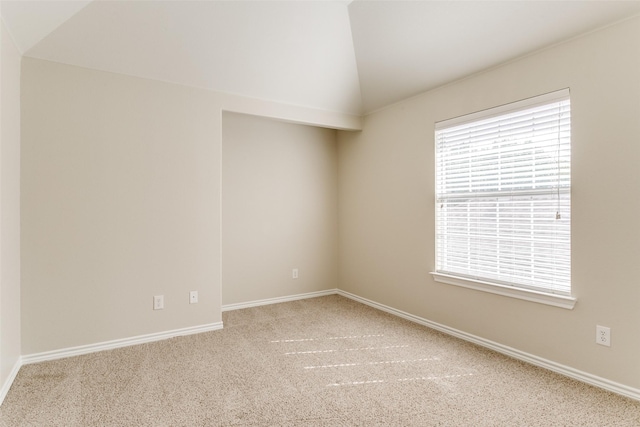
(507, 291)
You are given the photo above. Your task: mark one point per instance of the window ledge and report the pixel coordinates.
(561, 301)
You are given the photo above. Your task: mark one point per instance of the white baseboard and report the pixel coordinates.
(576, 374)
(9, 381)
(257, 303)
(124, 342)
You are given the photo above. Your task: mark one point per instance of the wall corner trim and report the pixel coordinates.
(567, 371)
(124, 342)
(10, 379)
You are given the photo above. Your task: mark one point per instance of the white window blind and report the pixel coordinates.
(503, 183)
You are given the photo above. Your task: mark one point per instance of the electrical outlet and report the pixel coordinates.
(294, 273)
(603, 335)
(158, 302)
(193, 297)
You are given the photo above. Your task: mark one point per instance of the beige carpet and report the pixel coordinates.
(319, 362)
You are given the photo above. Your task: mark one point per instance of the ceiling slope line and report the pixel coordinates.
(31, 22)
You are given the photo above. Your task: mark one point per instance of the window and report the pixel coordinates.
(503, 200)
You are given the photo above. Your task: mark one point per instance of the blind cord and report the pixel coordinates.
(558, 215)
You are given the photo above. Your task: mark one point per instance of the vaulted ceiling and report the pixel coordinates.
(350, 57)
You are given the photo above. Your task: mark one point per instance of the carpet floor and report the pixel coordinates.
(325, 361)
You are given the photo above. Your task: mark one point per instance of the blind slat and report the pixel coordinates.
(503, 197)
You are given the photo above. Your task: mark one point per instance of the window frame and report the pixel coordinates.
(514, 290)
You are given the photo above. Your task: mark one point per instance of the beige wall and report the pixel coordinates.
(279, 209)
(120, 202)
(386, 199)
(9, 206)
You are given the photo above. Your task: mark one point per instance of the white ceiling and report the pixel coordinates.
(31, 21)
(404, 48)
(350, 57)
